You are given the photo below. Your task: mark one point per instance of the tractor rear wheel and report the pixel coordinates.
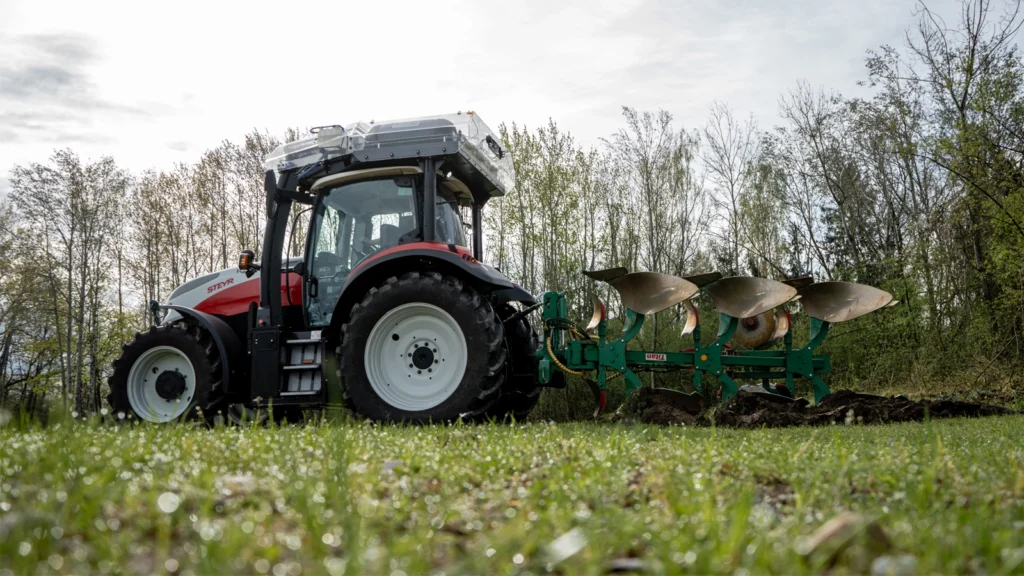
(520, 393)
(167, 373)
(422, 347)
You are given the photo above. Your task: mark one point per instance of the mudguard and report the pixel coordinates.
(513, 294)
(426, 256)
(227, 342)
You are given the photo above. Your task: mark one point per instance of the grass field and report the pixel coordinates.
(497, 499)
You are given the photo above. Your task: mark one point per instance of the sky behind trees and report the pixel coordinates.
(155, 86)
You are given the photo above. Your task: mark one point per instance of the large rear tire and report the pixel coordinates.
(420, 348)
(520, 393)
(168, 373)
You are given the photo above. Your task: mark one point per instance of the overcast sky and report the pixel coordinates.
(154, 83)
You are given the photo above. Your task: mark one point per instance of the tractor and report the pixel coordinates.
(391, 312)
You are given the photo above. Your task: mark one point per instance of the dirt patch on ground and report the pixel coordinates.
(753, 410)
(662, 406)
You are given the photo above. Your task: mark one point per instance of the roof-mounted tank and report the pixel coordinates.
(475, 149)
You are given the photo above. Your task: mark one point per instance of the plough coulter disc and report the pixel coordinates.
(755, 331)
(842, 301)
(744, 296)
(652, 292)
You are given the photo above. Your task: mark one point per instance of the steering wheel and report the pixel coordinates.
(372, 247)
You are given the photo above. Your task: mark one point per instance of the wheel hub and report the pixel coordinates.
(170, 385)
(423, 357)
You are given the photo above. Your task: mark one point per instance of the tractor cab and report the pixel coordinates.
(376, 213)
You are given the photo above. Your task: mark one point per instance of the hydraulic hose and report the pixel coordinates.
(562, 367)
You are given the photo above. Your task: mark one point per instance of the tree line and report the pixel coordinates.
(916, 189)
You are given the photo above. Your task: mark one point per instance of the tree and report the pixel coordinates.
(730, 148)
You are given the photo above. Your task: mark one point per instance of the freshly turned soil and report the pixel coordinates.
(753, 410)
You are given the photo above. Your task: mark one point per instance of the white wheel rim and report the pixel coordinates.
(143, 396)
(408, 383)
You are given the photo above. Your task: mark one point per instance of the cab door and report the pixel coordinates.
(351, 223)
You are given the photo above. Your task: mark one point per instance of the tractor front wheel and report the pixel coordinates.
(167, 373)
(422, 347)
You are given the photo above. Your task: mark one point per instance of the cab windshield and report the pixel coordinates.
(355, 221)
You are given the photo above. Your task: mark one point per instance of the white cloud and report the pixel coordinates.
(154, 84)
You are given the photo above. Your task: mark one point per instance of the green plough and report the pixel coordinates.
(754, 318)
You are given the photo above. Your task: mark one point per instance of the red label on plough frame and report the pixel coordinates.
(655, 357)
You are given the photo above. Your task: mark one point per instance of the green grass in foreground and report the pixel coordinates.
(355, 499)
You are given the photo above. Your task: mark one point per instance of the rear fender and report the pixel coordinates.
(484, 278)
(513, 294)
(230, 348)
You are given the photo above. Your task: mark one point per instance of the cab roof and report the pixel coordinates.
(469, 148)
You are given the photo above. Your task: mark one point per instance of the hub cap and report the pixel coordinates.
(161, 384)
(415, 356)
(170, 385)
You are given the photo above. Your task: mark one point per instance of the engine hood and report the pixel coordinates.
(229, 292)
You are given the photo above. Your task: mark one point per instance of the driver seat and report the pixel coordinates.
(389, 235)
